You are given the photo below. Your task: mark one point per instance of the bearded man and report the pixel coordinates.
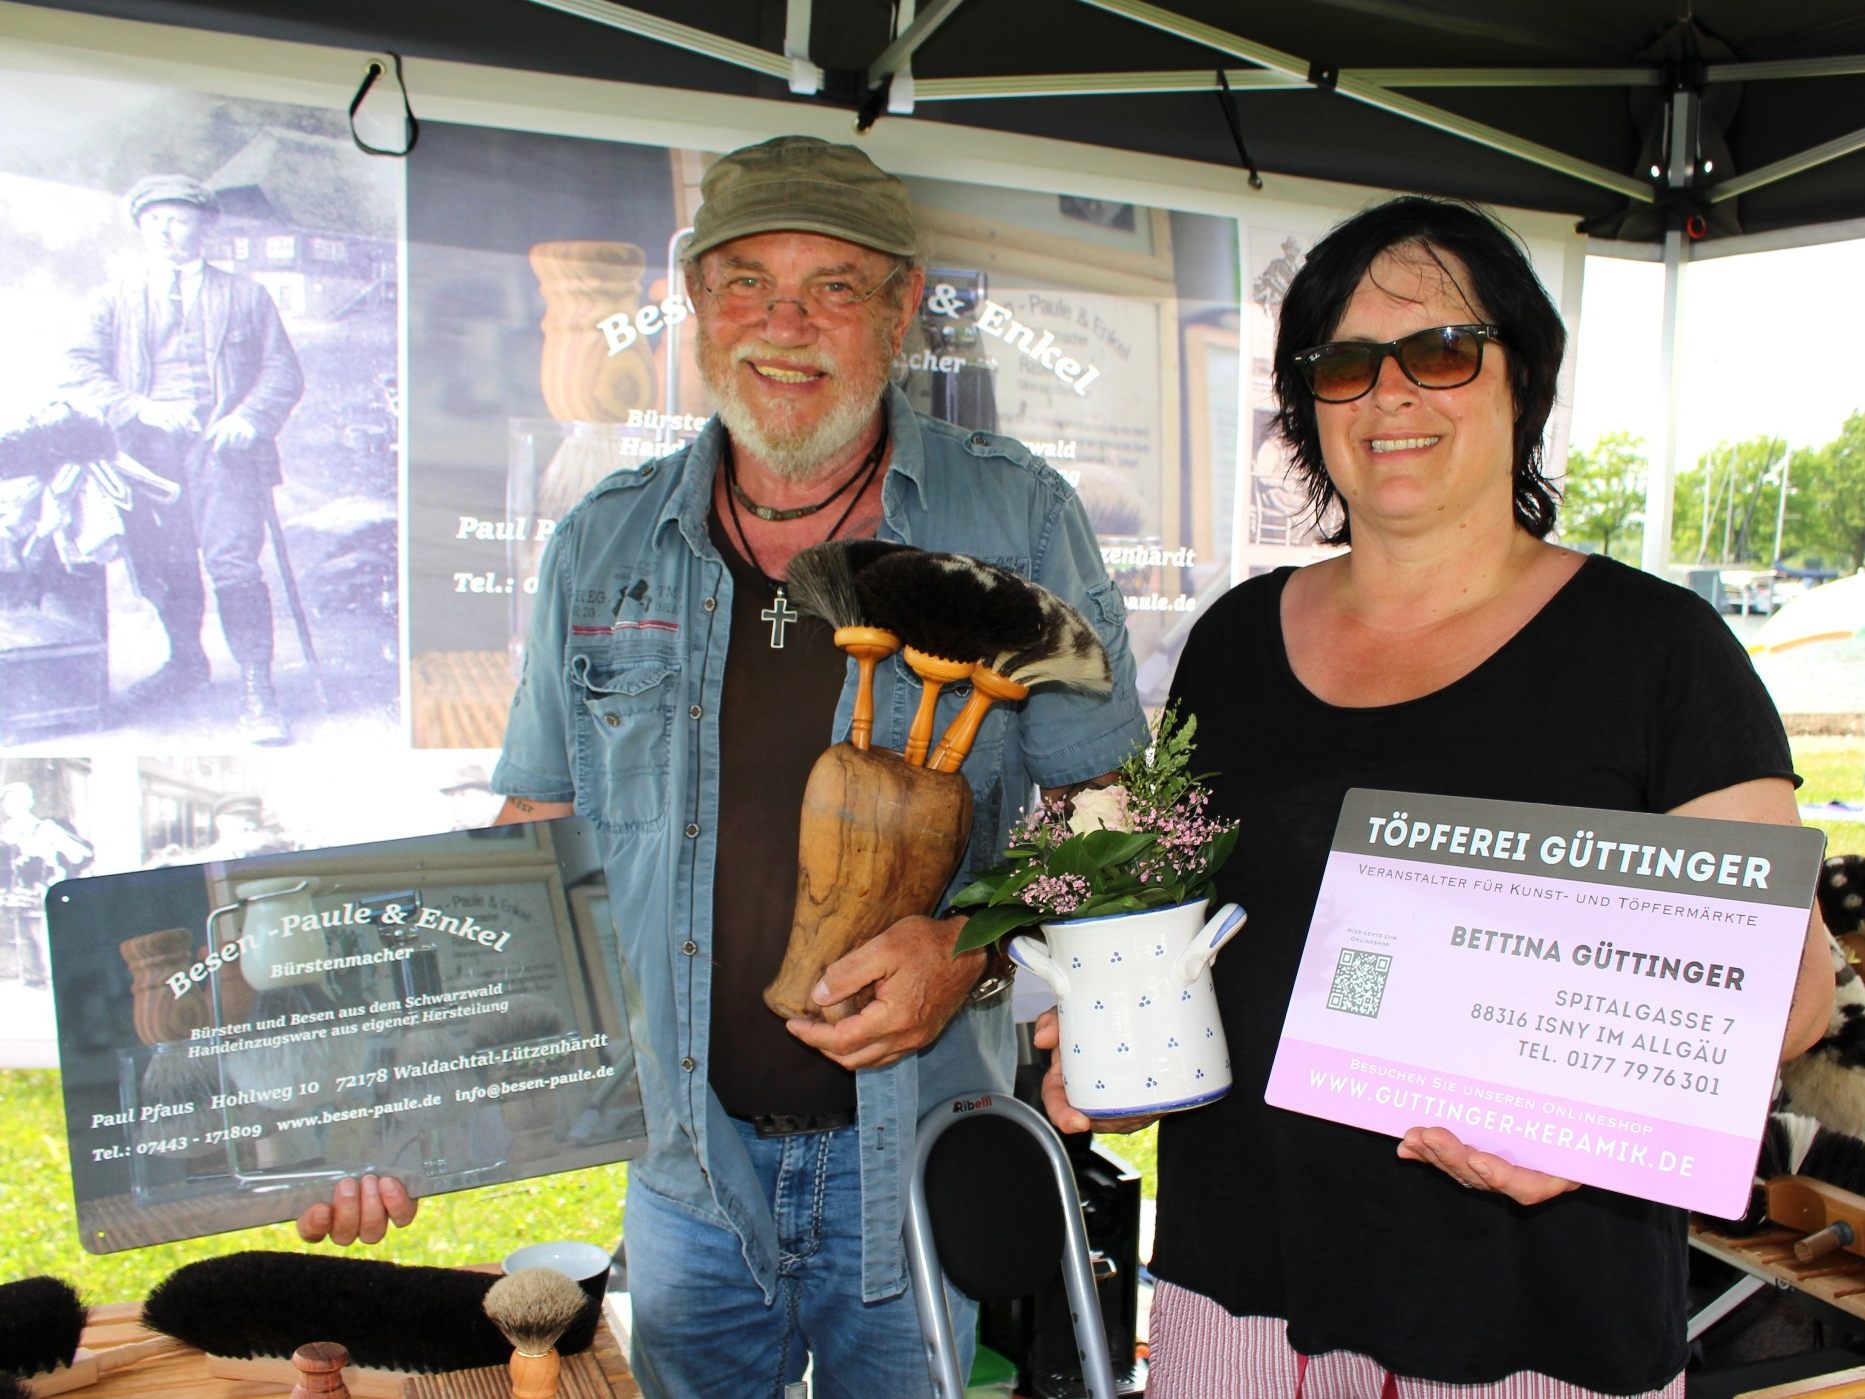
(673, 696)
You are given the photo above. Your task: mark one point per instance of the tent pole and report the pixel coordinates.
(1660, 484)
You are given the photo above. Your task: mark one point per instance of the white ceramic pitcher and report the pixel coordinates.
(1140, 1027)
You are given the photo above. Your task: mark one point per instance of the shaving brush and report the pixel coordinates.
(822, 583)
(532, 1308)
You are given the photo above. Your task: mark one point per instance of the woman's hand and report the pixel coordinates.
(1055, 1097)
(1478, 1169)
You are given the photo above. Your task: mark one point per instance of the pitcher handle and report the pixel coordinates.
(1219, 929)
(1033, 953)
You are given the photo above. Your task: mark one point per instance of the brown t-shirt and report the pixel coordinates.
(775, 720)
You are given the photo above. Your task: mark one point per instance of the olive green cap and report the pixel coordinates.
(807, 184)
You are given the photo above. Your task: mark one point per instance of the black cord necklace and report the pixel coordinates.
(775, 516)
(780, 614)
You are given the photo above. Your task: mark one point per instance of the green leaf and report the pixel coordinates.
(1107, 848)
(990, 924)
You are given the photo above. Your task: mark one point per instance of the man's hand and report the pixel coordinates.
(168, 416)
(917, 985)
(1478, 1169)
(359, 1211)
(232, 432)
(1064, 1114)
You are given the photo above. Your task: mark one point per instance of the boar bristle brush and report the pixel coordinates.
(250, 1311)
(822, 583)
(41, 1322)
(12, 1388)
(532, 1308)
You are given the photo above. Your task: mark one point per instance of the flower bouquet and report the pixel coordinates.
(1143, 842)
(1118, 883)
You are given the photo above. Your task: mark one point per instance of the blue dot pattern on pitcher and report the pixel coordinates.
(1197, 1073)
(1159, 949)
(1100, 1005)
(1121, 1048)
(1186, 994)
(1172, 1041)
(1115, 958)
(1077, 1049)
(1145, 1001)
(1075, 962)
(1151, 1082)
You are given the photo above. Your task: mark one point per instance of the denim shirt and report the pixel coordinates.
(617, 711)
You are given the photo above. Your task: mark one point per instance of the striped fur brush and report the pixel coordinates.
(963, 618)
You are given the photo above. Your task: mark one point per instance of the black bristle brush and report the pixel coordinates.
(963, 618)
(41, 1323)
(532, 1309)
(821, 581)
(250, 1311)
(12, 1387)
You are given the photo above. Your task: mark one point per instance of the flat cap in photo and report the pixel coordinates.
(170, 189)
(806, 184)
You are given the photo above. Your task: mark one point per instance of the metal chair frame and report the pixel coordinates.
(1077, 1270)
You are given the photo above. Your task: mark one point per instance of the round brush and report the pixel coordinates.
(533, 1308)
(822, 583)
(41, 1323)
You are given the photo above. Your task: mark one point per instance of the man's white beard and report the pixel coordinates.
(799, 453)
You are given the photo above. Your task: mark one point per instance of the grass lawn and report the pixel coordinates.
(480, 1226)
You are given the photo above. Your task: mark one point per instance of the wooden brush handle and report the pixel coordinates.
(87, 1367)
(879, 840)
(867, 645)
(360, 1382)
(534, 1376)
(320, 1370)
(987, 687)
(1818, 1208)
(937, 672)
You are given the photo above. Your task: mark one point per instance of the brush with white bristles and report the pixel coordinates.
(533, 1307)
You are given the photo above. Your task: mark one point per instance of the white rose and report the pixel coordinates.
(1100, 809)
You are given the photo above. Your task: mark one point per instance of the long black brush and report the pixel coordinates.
(260, 1306)
(822, 582)
(41, 1324)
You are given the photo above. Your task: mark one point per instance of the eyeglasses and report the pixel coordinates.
(746, 293)
(1444, 357)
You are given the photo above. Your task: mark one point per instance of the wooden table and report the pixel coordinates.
(184, 1375)
(1837, 1279)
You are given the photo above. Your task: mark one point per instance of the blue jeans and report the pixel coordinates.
(702, 1329)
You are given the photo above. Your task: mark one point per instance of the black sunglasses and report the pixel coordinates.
(1444, 357)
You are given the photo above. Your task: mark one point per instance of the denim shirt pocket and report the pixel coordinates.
(624, 705)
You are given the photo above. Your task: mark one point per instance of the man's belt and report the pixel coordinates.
(796, 1124)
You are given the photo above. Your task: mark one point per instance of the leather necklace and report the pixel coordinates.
(780, 614)
(772, 514)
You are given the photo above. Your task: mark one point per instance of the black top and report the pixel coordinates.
(775, 717)
(1623, 692)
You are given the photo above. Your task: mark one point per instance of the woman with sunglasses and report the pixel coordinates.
(1452, 649)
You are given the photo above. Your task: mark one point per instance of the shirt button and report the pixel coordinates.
(611, 720)
(694, 712)
(689, 947)
(688, 1064)
(710, 604)
(692, 830)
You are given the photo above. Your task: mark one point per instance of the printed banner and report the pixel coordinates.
(237, 1035)
(1596, 994)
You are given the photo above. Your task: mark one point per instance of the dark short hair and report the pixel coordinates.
(1503, 283)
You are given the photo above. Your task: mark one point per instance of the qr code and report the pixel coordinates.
(1359, 982)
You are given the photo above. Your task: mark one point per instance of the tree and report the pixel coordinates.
(1826, 498)
(1603, 494)
(1724, 511)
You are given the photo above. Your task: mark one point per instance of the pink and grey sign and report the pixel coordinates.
(1596, 994)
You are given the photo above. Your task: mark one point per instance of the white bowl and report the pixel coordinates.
(583, 1263)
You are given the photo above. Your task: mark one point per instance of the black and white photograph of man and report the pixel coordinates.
(192, 367)
(199, 422)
